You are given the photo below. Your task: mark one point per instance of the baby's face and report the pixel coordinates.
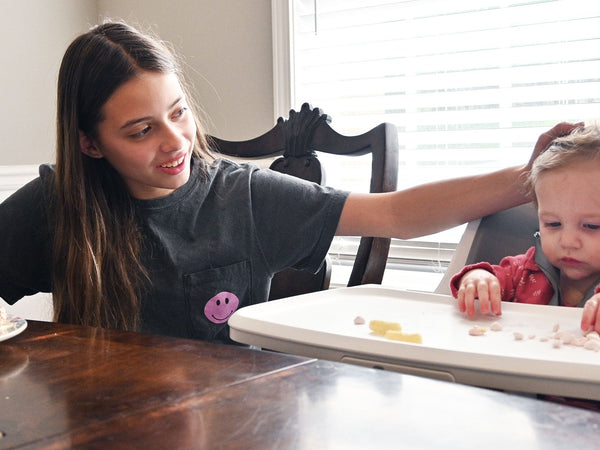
(569, 214)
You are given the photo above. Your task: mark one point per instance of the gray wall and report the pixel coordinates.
(226, 46)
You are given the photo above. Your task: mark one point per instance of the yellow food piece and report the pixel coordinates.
(395, 335)
(381, 326)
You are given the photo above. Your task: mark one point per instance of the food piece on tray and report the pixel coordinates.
(395, 335)
(566, 337)
(496, 326)
(593, 335)
(518, 336)
(359, 320)
(381, 326)
(477, 331)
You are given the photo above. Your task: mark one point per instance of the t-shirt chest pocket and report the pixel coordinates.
(213, 295)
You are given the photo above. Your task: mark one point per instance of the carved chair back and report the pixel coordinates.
(295, 143)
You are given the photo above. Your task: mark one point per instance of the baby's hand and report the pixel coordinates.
(481, 284)
(590, 319)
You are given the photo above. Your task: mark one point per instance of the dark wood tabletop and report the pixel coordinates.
(64, 386)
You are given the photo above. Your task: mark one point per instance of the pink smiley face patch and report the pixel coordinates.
(220, 308)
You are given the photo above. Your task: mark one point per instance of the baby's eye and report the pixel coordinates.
(591, 226)
(552, 224)
(141, 133)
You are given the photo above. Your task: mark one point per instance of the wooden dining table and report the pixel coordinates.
(67, 386)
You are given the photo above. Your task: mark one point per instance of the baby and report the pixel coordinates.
(563, 268)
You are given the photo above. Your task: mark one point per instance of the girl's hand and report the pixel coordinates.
(544, 141)
(590, 319)
(481, 284)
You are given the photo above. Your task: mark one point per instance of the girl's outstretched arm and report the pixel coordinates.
(436, 206)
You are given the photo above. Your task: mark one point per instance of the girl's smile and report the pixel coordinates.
(174, 166)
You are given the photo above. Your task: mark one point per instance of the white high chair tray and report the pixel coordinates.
(321, 325)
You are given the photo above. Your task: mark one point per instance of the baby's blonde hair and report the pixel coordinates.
(582, 144)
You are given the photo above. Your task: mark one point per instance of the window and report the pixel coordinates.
(470, 84)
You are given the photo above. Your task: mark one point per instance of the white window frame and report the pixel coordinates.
(417, 266)
(282, 31)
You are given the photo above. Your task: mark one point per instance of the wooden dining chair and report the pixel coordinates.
(295, 143)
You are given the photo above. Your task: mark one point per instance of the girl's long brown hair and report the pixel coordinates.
(97, 273)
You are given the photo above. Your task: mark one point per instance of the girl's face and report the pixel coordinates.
(569, 215)
(147, 134)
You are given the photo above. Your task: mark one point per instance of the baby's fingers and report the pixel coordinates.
(461, 299)
(590, 319)
(488, 291)
(484, 296)
(495, 297)
(466, 298)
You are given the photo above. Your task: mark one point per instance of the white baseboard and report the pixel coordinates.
(13, 177)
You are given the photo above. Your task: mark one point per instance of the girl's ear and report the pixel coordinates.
(88, 147)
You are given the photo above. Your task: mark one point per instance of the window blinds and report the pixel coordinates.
(469, 84)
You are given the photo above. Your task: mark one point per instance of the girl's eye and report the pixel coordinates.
(591, 226)
(141, 133)
(180, 112)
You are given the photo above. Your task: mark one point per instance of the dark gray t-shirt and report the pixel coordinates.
(210, 248)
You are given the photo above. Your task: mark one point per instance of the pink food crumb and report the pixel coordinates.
(565, 337)
(496, 326)
(359, 320)
(518, 336)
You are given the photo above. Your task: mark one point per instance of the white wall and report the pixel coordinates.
(226, 44)
(33, 36)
